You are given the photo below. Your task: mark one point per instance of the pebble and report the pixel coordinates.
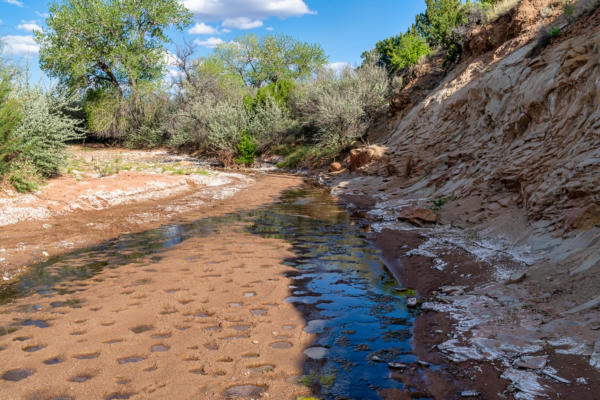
(255, 341)
(316, 353)
(582, 381)
(397, 365)
(45, 253)
(516, 277)
(531, 362)
(411, 302)
(423, 364)
(469, 393)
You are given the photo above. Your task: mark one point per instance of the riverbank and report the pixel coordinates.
(105, 193)
(496, 318)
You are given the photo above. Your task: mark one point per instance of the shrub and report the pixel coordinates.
(246, 149)
(554, 32)
(10, 115)
(341, 107)
(34, 126)
(45, 127)
(411, 50)
(206, 122)
(269, 122)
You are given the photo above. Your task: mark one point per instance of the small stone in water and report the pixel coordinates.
(411, 302)
(469, 393)
(316, 353)
(397, 365)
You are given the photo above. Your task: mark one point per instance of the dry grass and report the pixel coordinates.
(501, 8)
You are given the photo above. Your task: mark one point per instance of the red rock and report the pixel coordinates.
(335, 166)
(418, 216)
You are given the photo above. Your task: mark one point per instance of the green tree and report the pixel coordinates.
(258, 61)
(108, 43)
(398, 52)
(439, 22)
(411, 48)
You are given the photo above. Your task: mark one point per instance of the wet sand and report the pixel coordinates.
(33, 240)
(206, 321)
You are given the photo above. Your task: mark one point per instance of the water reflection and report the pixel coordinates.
(340, 285)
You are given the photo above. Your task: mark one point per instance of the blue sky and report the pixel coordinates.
(345, 28)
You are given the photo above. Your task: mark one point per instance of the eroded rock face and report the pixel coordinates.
(527, 124)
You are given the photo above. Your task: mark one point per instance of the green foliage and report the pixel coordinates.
(554, 32)
(45, 127)
(438, 203)
(246, 150)
(112, 51)
(99, 44)
(339, 108)
(137, 122)
(10, 116)
(410, 50)
(23, 177)
(34, 126)
(280, 92)
(398, 52)
(438, 21)
(270, 58)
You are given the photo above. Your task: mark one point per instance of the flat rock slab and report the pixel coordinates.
(531, 362)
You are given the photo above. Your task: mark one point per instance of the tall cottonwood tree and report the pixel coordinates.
(113, 51)
(116, 43)
(269, 59)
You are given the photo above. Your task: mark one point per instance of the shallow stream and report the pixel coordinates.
(341, 287)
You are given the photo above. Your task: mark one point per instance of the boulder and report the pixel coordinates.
(418, 216)
(362, 156)
(335, 167)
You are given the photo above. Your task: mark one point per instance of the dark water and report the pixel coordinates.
(340, 285)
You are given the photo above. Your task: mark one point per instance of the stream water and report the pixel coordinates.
(341, 287)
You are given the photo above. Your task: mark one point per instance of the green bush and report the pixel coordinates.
(10, 116)
(45, 128)
(398, 52)
(410, 50)
(246, 150)
(34, 126)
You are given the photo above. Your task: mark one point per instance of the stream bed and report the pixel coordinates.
(340, 286)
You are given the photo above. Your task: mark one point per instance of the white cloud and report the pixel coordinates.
(20, 45)
(202, 29)
(42, 15)
(171, 59)
(242, 23)
(29, 26)
(14, 2)
(269, 28)
(211, 42)
(234, 12)
(338, 67)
